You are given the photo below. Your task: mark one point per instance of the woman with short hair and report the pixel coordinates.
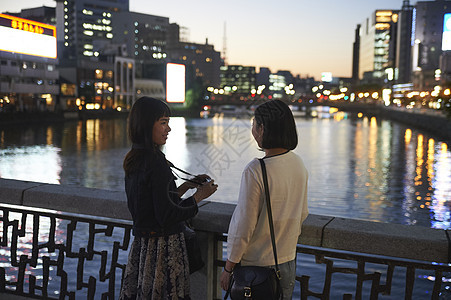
(249, 240)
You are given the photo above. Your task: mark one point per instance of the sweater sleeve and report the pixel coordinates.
(169, 208)
(245, 216)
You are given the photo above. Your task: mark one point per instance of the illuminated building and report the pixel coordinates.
(202, 59)
(88, 54)
(28, 74)
(153, 41)
(241, 77)
(84, 25)
(377, 41)
(144, 36)
(428, 32)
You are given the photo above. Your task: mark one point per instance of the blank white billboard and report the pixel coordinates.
(175, 82)
(446, 39)
(24, 36)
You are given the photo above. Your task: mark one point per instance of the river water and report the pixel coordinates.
(359, 167)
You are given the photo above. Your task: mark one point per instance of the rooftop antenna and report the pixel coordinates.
(224, 46)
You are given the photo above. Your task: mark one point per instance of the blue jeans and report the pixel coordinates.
(288, 276)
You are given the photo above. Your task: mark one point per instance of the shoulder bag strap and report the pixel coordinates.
(268, 205)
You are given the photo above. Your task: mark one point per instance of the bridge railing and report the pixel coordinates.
(65, 242)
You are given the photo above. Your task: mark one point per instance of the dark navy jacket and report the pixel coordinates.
(153, 201)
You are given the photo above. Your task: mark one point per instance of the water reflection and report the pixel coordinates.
(360, 167)
(40, 163)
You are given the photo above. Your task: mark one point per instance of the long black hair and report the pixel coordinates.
(143, 115)
(279, 127)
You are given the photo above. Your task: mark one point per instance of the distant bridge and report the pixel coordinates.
(342, 105)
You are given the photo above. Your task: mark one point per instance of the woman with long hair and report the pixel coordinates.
(157, 265)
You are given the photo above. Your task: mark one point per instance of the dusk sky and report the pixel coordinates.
(303, 36)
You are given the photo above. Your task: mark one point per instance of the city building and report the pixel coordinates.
(89, 55)
(403, 63)
(85, 26)
(356, 55)
(277, 84)
(202, 59)
(239, 79)
(153, 42)
(377, 41)
(28, 59)
(262, 76)
(145, 38)
(428, 48)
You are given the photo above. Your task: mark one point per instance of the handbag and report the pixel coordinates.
(253, 282)
(195, 260)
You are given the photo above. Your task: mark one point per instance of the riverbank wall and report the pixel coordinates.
(430, 121)
(427, 120)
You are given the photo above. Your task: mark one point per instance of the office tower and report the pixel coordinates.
(85, 26)
(202, 59)
(89, 58)
(145, 38)
(377, 46)
(428, 32)
(356, 55)
(404, 42)
(240, 79)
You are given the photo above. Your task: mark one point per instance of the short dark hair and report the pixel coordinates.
(143, 115)
(279, 127)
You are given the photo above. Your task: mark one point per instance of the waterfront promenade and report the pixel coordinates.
(397, 246)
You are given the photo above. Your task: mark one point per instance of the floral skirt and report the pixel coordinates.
(157, 269)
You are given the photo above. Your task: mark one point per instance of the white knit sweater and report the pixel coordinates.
(249, 239)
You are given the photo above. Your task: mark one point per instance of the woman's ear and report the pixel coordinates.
(260, 130)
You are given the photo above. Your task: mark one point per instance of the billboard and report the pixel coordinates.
(446, 38)
(326, 77)
(27, 37)
(175, 83)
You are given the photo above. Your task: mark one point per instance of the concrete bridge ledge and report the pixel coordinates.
(411, 242)
(12, 190)
(403, 241)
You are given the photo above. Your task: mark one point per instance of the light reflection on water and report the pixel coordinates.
(362, 168)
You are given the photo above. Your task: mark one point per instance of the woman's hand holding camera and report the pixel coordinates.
(205, 189)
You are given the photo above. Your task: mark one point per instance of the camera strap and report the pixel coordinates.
(171, 165)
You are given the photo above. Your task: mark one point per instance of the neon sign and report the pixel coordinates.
(27, 37)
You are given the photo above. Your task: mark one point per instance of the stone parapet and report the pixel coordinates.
(403, 241)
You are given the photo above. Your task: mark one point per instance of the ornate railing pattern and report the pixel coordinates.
(42, 242)
(50, 254)
(329, 257)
